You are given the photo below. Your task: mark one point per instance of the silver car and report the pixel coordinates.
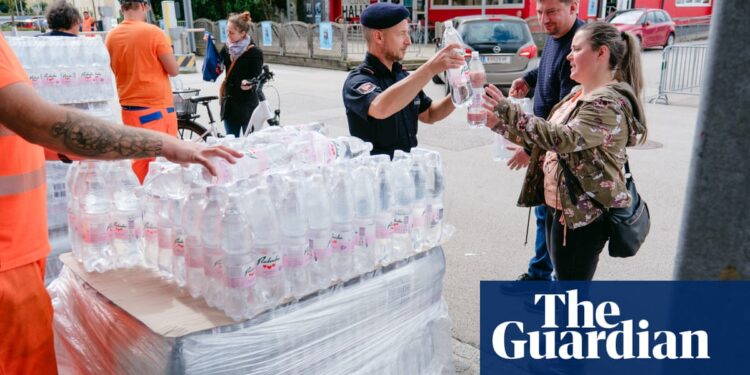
(504, 43)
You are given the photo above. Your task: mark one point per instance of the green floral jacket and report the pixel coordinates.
(591, 140)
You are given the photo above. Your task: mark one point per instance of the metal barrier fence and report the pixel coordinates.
(297, 39)
(692, 28)
(682, 69)
(355, 38)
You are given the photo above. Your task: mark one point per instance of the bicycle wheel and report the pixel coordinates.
(190, 130)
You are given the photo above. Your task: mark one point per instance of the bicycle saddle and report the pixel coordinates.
(203, 99)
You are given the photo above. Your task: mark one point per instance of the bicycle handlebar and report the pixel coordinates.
(260, 81)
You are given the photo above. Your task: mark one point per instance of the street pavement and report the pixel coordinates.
(481, 194)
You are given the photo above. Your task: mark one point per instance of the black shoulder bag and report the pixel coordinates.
(629, 225)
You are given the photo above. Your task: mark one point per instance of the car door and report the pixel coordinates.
(650, 30)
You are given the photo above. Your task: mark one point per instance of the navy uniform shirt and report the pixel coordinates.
(362, 86)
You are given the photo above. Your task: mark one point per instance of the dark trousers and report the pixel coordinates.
(540, 266)
(236, 129)
(578, 257)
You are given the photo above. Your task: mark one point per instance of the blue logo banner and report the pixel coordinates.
(614, 327)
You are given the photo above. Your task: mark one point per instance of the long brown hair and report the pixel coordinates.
(624, 52)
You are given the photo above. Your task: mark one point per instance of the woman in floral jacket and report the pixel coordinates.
(587, 132)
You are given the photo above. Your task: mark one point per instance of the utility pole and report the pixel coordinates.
(714, 238)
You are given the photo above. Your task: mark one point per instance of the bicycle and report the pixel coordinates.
(187, 101)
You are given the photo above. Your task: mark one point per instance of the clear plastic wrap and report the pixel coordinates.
(390, 321)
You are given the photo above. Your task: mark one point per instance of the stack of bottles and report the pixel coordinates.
(69, 71)
(298, 213)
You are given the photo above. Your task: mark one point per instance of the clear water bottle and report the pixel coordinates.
(72, 186)
(420, 208)
(266, 249)
(164, 236)
(213, 266)
(239, 264)
(435, 188)
(96, 205)
(458, 78)
(503, 148)
(404, 193)
(296, 252)
(191, 221)
(150, 232)
(364, 221)
(318, 213)
(477, 116)
(127, 216)
(385, 215)
(343, 232)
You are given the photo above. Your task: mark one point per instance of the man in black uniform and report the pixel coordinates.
(383, 102)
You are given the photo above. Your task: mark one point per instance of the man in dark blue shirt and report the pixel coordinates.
(384, 102)
(551, 81)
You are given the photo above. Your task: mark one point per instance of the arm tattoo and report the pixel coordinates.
(87, 136)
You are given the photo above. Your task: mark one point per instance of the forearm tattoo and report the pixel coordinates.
(87, 136)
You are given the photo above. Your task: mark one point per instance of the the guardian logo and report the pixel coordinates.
(598, 328)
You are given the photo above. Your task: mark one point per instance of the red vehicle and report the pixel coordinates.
(652, 27)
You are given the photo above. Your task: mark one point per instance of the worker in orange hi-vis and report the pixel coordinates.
(28, 124)
(88, 23)
(142, 61)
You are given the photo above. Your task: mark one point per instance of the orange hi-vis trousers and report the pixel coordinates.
(159, 119)
(26, 342)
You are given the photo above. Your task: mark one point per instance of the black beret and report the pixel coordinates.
(383, 15)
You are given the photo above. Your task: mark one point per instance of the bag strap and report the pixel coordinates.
(231, 66)
(572, 183)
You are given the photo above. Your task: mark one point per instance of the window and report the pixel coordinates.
(651, 18)
(478, 3)
(627, 18)
(494, 32)
(693, 3)
(666, 17)
(659, 17)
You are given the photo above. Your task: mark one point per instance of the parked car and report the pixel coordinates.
(652, 27)
(504, 43)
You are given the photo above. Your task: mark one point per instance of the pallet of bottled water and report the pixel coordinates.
(388, 322)
(69, 71)
(298, 213)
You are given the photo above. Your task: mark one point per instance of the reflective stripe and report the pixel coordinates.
(170, 109)
(145, 119)
(16, 184)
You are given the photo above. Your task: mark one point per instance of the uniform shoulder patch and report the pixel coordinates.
(366, 88)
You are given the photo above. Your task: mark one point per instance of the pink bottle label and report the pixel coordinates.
(400, 224)
(478, 79)
(343, 242)
(178, 247)
(213, 264)
(268, 266)
(95, 235)
(382, 232)
(365, 238)
(298, 261)
(321, 248)
(165, 238)
(419, 220)
(150, 232)
(193, 253)
(239, 276)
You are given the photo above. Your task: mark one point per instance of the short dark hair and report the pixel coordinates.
(62, 15)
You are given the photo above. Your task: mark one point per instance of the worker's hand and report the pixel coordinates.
(519, 88)
(520, 158)
(447, 58)
(183, 152)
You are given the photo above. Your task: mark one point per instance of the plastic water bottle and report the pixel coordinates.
(457, 77)
(385, 202)
(150, 231)
(177, 268)
(127, 216)
(365, 208)
(435, 189)
(296, 252)
(343, 232)
(239, 263)
(191, 221)
(477, 116)
(94, 220)
(404, 193)
(318, 211)
(71, 184)
(213, 267)
(165, 239)
(266, 249)
(420, 208)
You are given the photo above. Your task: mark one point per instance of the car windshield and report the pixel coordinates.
(493, 32)
(627, 18)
